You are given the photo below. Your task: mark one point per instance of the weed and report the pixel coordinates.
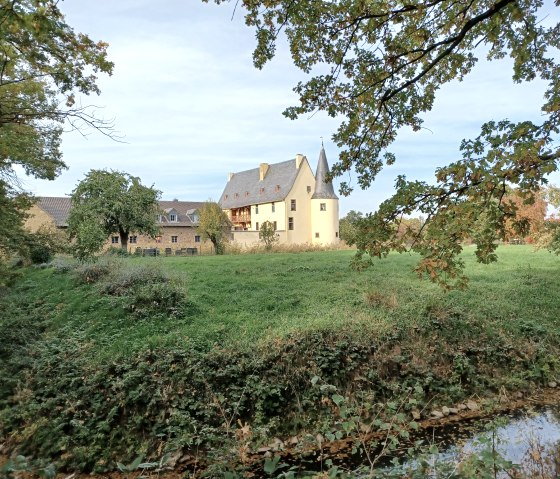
(377, 299)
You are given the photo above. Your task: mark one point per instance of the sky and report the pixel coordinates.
(190, 106)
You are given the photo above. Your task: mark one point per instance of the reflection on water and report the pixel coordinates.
(523, 438)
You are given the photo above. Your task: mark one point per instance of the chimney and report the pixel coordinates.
(263, 168)
(230, 176)
(299, 159)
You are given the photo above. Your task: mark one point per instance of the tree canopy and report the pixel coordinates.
(268, 235)
(379, 64)
(111, 202)
(44, 63)
(214, 225)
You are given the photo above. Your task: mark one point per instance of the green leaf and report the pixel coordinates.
(270, 465)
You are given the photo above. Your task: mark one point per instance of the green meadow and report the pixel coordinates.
(86, 382)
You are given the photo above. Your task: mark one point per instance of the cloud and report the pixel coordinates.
(192, 107)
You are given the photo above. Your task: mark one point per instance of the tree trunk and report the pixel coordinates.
(124, 240)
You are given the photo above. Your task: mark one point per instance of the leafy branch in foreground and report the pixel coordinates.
(378, 65)
(44, 64)
(469, 202)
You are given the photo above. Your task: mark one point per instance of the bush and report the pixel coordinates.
(40, 253)
(146, 291)
(119, 252)
(154, 299)
(88, 273)
(125, 279)
(63, 265)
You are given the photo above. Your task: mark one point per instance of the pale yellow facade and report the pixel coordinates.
(37, 219)
(298, 218)
(301, 217)
(324, 222)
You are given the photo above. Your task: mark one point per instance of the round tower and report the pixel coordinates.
(324, 206)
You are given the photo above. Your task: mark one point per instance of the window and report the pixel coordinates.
(262, 191)
(197, 239)
(336, 234)
(292, 205)
(173, 218)
(132, 239)
(275, 226)
(256, 209)
(160, 218)
(309, 189)
(277, 188)
(316, 235)
(226, 197)
(246, 194)
(290, 223)
(323, 206)
(257, 226)
(158, 239)
(236, 195)
(114, 240)
(174, 239)
(273, 207)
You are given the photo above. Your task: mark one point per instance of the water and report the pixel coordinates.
(523, 437)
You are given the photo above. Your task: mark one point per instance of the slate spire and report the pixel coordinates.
(323, 190)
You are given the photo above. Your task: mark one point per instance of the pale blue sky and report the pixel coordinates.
(192, 107)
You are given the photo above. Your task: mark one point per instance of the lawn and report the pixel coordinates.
(241, 300)
(253, 333)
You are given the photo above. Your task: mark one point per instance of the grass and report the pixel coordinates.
(244, 300)
(254, 331)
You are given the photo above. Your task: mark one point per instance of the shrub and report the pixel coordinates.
(120, 252)
(146, 291)
(63, 265)
(124, 279)
(44, 243)
(88, 273)
(154, 299)
(40, 253)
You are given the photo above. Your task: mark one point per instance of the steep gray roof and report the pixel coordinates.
(59, 209)
(245, 187)
(323, 190)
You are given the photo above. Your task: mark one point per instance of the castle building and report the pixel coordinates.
(303, 207)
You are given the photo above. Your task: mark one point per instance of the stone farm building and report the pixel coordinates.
(303, 207)
(178, 224)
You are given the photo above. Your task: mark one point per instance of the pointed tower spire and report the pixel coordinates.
(323, 189)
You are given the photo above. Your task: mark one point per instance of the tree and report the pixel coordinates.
(44, 63)
(214, 225)
(378, 65)
(529, 222)
(109, 202)
(268, 235)
(347, 226)
(549, 236)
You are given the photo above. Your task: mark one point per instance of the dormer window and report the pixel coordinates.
(161, 218)
(262, 191)
(192, 215)
(236, 195)
(277, 188)
(246, 194)
(173, 218)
